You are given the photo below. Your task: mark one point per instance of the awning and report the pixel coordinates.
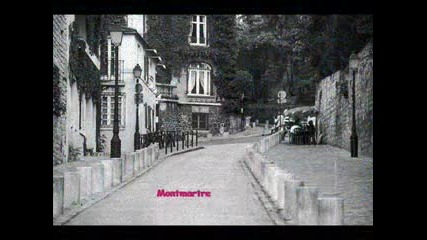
(301, 112)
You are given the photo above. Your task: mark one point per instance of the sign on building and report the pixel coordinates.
(281, 97)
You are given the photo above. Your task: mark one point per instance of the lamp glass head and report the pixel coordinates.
(116, 37)
(354, 61)
(137, 71)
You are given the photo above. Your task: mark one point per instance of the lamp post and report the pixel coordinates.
(116, 35)
(354, 61)
(241, 112)
(138, 89)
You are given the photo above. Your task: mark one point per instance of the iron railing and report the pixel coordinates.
(167, 91)
(171, 140)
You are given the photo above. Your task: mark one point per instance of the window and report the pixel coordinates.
(149, 118)
(153, 119)
(111, 56)
(107, 110)
(198, 30)
(199, 79)
(200, 120)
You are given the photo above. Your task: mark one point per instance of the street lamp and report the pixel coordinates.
(138, 89)
(354, 61)
(116, 35)
(241, 111)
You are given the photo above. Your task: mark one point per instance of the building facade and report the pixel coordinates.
(189, 99)
(76, 68)
(134, 50)
(84, 73)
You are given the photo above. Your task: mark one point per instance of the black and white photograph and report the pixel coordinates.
(213, 119)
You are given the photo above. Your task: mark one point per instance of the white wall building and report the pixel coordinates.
(132, 51)
(81, 106)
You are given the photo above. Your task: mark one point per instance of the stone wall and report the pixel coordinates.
(179, 117)
(61, 45)
(171, 117)
(334, 101)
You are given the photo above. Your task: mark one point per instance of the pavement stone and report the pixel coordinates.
(216, 168)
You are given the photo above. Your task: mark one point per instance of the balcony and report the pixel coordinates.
(110, 75)
(167, 91)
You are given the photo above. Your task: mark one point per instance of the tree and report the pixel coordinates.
(298, 50)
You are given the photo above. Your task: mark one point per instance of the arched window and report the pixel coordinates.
(199, 79)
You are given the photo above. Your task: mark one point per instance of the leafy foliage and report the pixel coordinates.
(169, 34)
(84, 71)
(59, 106)
(292, 52)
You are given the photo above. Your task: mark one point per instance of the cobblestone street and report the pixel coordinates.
(215, 168)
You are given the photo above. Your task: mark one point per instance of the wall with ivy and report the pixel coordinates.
(59, 84)
(169, 35)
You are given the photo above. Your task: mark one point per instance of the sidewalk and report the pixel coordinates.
(334, 172)
(80, 184)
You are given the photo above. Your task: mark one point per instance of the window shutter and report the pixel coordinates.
(211, 83)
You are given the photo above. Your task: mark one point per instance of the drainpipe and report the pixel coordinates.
(84, 144)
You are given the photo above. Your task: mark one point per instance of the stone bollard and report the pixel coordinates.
(139, 157)
(264, 173)
(85, 181)
(157, 151)
(71, 189)
(149, 156)
(58, 195)
(136, 165)
(142, 155)
(271, 182)
(108, 173)
(330, 211)
(290, 209)
(307, 210)
(147, 162)
(282, 177)
(128, 164)
(153, 154)
(259, 161)
(97, 178)
(117, 171)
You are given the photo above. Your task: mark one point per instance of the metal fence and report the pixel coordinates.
(171, 141)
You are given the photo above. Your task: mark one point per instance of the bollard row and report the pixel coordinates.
(80, 183)
(268, 142)
(297, 204)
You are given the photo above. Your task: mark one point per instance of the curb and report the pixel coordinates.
(70, 214)
(266, 202)
(185, 151)
(221, 139)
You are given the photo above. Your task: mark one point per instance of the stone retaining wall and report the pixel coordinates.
(297, 204)
(334, 102)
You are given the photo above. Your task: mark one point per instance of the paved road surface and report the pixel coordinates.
(215, 168)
